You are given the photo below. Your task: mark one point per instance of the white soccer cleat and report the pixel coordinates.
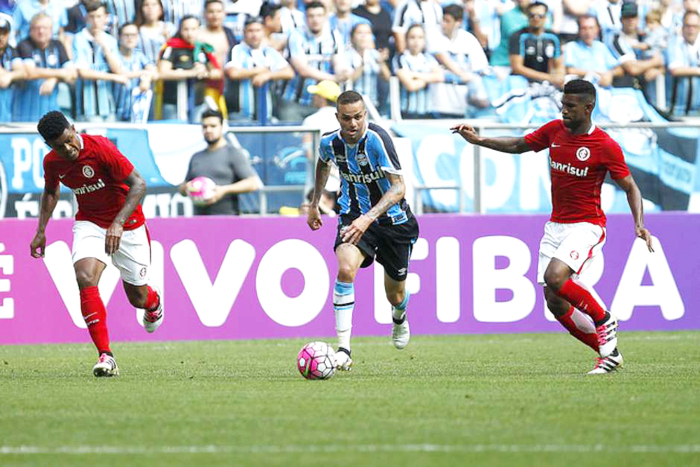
(105, 366)
(153, 319)
(607, 336)
(343, 361)
(608, 364)
(401, 334)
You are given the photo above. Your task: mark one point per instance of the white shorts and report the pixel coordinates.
(133, 258)
(577, 245)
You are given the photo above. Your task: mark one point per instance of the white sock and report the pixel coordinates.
(343, 304)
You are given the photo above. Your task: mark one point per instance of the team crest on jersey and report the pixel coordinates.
(574, 255)
(88, 172)
(362, 159)
(583, 153)
(143, 272)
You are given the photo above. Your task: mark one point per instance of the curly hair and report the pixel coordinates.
(52, 125)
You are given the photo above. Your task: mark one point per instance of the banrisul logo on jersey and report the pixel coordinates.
(568, 168)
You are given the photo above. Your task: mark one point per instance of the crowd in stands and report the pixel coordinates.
(139, 60)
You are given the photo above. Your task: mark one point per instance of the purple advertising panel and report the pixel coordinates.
(246, 278)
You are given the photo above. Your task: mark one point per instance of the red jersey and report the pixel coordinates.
(97, 179)
(578, 164)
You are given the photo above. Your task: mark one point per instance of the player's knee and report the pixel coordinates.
(554, 279)
(395, 298)
(86, 278)
(346, 273)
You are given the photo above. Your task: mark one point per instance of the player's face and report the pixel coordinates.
(40, 32)
(67, 145)
(353, 120)
(254, 35)
(576, 110)
(315, 19)
(214, 15)
(188, 30)
(212, 129)
(97, 20)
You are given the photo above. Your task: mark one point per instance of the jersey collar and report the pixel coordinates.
(80, 141)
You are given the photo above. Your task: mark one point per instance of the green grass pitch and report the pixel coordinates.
(444, 400)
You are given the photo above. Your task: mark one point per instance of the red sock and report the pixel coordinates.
(152, 300)
(95, 316)
(575, 329)
(581, 298)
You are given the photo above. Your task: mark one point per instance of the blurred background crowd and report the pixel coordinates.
(149, 60)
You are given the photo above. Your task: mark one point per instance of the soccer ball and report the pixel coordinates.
(200, 190)
(316, 360)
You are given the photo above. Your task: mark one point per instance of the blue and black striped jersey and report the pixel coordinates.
(363, 167)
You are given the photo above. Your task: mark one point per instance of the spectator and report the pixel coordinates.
(153, 31)
(368, 64)
(656, 38)
(427, 13)
(416, 70)
(344, 21)
(474, 14)
(253, 66)
(272, 21)
(25, 10)
(186, 59)
(292, 19)
(461, 55)
(226, 165)
(10, 71)
(627, 49)
(174, 11)
(46, 65)
(608, 13)
(119, 12)
(137, 67)
(381, 22)
(215, 33)
(511, 22)
(572, 10)
(316, 54)
(97, 60)
(588, 58)
(76, 17)
(684, 68)
(535, 53)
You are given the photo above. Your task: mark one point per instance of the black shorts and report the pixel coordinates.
(391, 244)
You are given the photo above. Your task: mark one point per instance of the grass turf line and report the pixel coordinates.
(444, 400)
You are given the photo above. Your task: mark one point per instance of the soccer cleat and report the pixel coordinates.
(608, 364)
(105, 366)
(401, 333)
(153, 319)
(342, 359)
(607, 336)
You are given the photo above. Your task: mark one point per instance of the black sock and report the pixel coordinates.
(344, 350)
(607, 316)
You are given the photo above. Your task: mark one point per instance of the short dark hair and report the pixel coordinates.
(587, 16)
(52, 125)
(209, 2)
(315, 4)
(182, 20)
(94, 5)
(121, 28)
(581, 87)
(536, 4)
(268, 9)
(455, 11)
(213, 113)
(253, 20)
(690, 13)
(349, 97)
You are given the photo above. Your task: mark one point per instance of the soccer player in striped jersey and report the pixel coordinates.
(580, 156)
(253, 69)
(46, 64)
(374, 221)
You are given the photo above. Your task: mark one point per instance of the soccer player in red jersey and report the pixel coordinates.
(580, 154)
(109, 223)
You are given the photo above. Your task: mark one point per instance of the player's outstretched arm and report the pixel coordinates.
(137, 190)
(393, 195)
(501, 143)
(634, 198)
(49, 198)
(323, 170)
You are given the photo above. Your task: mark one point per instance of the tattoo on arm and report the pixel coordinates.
(323, 170)
(395, 194)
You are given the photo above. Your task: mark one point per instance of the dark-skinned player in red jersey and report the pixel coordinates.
(580, 155)
(109, 224)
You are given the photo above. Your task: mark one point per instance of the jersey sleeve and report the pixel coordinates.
(614, 160)
(514, 43)
(540, 138)
(50, 176)
(116, 163)
(325, 151)
(386, 152)
(241, 164)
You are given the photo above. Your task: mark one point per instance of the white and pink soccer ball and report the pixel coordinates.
(200, 190)
(316, 360)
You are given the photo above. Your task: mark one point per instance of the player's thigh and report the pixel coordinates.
(367, 243)
(350, 259)
(581, 245)
(89, 242)
(395, 247)
(551, 239)
(133, 259)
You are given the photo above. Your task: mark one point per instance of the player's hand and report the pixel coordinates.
(113, 237)
(467, 132)
(313, 218)
(645, 235)
(353, 233)
(38, 245)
